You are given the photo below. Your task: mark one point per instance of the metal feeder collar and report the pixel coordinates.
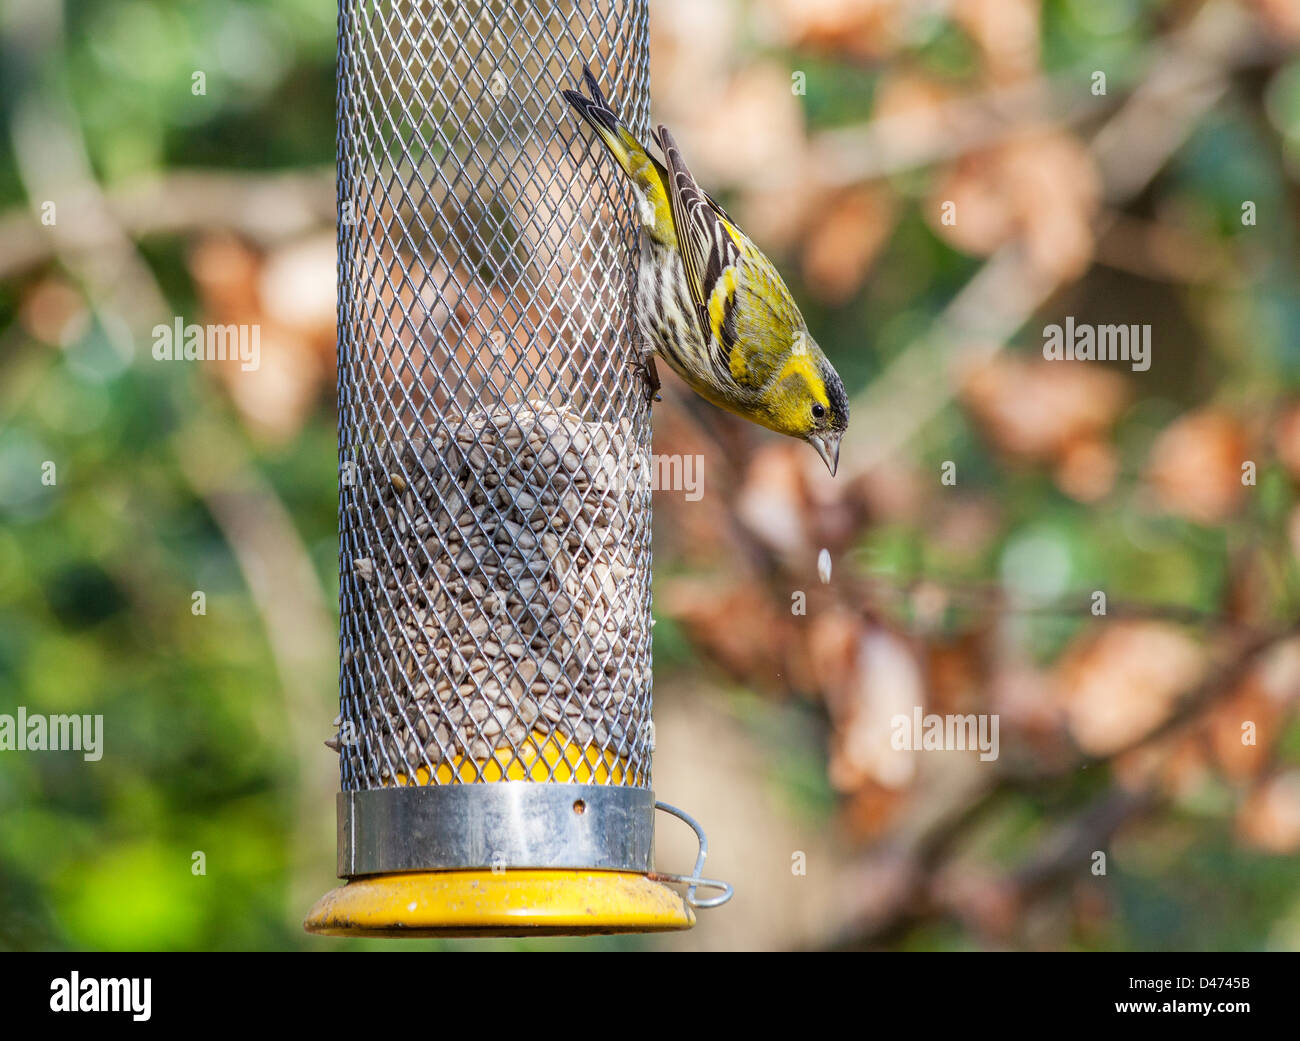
(495, 685)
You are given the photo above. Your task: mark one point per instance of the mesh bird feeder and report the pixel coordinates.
(495, 734)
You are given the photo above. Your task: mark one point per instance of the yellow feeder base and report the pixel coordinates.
(518, 902)
(515, 902)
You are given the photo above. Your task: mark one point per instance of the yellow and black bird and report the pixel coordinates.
(712, 305)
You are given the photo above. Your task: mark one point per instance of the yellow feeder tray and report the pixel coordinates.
(509, 902)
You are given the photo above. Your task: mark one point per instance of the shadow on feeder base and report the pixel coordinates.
(517, 902)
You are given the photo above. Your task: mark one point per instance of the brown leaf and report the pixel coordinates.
(1039, 410)
(860, 28)
(691, 45)
(1177, 764)
(1195, 466)
(1118, 684)
(225, 271)
(1006, 32)
(955, 673)
(1248, 704)
(296, 289)
(1282, 16)
(1286, 440)
(832, 650)
(885, 680)
(1040, 188)
(915, 108)
(844, 240)
(755, 129)
(756, 649)
(772, 502)
(1270, 816)
(1086, 470)
(275, 396)
(53, 312)
(871, 809)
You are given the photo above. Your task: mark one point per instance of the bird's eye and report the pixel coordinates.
(819, 410)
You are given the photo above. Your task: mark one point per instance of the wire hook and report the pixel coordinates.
(695, 880)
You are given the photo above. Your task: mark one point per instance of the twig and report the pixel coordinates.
(981, 596)
(1219, 682)
(896, 144)
(1069, 848)
(264, 208)
(1163, 253)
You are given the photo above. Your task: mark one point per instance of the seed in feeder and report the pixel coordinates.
(365, 569)
(824, 565)
(492, 604)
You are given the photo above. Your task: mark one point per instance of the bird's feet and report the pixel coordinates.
(651, 379)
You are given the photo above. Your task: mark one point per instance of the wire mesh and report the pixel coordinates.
(493, 422)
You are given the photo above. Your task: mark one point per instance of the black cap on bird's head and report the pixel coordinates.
(830, 421)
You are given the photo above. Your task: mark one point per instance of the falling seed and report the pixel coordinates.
(824, 565)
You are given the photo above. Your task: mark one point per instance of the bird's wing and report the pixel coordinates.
(766, 328)
(710, 248)
(747, 316)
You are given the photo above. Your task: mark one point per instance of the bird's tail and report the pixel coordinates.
(644, 170)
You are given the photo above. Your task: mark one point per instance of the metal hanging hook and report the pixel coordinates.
(695, 880)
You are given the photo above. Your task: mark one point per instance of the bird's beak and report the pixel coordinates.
(828, 447)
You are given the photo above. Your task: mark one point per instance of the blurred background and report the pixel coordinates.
(1114, 161)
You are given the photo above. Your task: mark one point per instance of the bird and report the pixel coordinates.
(710, 303)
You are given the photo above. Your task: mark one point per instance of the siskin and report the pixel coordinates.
(712, 305)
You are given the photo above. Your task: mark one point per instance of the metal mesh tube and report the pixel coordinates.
(493, 424)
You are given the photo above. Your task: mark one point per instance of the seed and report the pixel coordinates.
(509, 555)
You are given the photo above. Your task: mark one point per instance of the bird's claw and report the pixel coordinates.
(652, 380)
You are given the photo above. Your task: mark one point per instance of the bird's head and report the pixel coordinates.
(808, 402)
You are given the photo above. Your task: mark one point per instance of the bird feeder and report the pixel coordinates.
(495, 729)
